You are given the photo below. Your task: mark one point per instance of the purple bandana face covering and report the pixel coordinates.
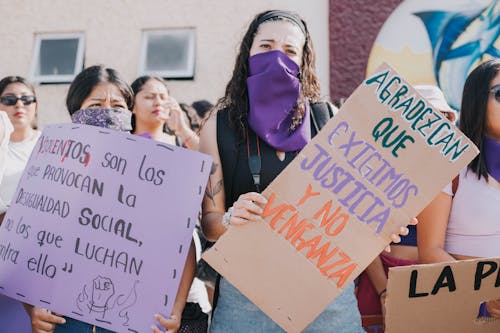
(492, 157)
(116, 119)
(273, 91)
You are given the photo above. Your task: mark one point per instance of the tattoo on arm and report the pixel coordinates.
(212, 191)
(213, 168)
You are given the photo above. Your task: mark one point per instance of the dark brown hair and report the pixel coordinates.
(15, 79)
(474, 107)
(82, 86)
(141, 81)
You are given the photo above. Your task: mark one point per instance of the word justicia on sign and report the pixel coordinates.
(369, 165)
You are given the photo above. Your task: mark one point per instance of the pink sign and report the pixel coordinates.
(100, 226)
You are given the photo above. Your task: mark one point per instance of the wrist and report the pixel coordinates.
(176, 314)
(226, 218)
(28, 308)
(177, 310)
(382, 293)
(185, 132)
(189, 139)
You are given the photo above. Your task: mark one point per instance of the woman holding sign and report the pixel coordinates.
(462, 221)
(18, 100)
(17, 139)
(275, 67)
(153, 109)
(98, 96)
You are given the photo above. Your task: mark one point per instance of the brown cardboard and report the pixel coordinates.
(275, 272)
(452, 308)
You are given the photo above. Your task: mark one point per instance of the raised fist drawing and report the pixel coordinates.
(102, 290)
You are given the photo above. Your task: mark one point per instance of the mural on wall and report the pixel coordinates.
(439, 42)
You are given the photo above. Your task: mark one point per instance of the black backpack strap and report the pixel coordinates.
(254, 159)
(321, 113)
(228, 152)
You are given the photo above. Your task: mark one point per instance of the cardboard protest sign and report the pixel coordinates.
(382, 158)
(445, 297)
(100, 226)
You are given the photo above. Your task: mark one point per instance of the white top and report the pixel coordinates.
(474, 222)
(15, 157)
(7, 130)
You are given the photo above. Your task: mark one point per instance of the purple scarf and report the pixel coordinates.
(492, 157)
(273, 91)
(116, 119)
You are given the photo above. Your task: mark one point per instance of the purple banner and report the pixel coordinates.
(100, 226)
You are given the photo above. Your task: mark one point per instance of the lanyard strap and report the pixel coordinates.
(254, 159)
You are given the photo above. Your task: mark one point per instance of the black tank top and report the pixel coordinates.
(234, 159)
(234, 155)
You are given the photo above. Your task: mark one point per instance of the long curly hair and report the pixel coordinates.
(235, 100)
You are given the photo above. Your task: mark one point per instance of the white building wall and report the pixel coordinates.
(113, 30)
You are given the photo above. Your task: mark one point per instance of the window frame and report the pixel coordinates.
(63, 78)
(187, 73)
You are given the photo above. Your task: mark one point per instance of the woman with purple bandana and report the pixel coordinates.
(268, 114)
(462, 222)
(98, 96)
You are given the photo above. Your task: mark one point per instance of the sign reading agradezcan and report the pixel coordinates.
(423, 119)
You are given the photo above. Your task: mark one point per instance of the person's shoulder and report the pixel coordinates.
(31, 143)
(333, 109)
(209, 124)
(37, 135)
(321, 113)
(224, 124)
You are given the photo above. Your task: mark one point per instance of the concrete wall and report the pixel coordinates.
(113, 31)
(354, 25)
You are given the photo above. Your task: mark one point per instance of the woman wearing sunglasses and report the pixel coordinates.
(18, 108)
(18, 100)
(462, 222)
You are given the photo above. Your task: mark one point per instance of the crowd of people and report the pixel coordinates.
(274, 71)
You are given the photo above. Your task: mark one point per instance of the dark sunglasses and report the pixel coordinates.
(496, 91)
(10, 100)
